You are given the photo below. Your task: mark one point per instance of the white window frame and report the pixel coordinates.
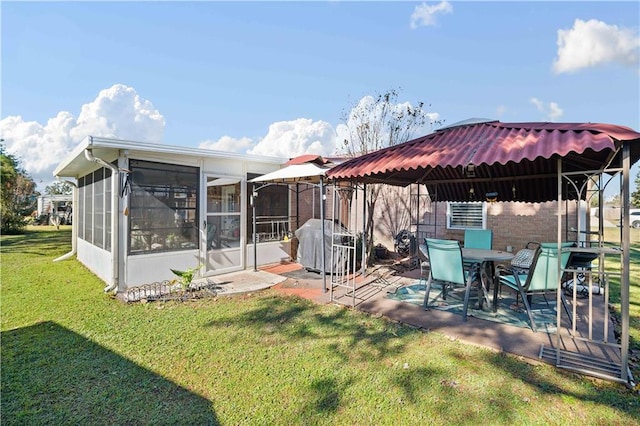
(92, 223)
(456, 214)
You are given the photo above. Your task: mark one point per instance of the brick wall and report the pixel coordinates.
(513, 223)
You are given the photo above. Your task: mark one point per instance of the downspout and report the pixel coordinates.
(74, 222)
(114, 218)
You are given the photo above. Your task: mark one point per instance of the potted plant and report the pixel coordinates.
(186, 276)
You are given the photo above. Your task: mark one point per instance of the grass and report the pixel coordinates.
(613, 263)
(72, 355)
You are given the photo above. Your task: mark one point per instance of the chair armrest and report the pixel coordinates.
(502, 272)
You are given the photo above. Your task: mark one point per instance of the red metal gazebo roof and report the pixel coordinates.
(505, 155)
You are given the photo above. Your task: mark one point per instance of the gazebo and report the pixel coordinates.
(533, 162)
(306, 169)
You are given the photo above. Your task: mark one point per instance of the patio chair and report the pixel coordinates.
(478, 238)
(445, 266)
(540, 279)
(423, 260)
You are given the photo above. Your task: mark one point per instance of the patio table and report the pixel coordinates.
(486, 258)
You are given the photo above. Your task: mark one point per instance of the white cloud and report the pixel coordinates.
(538, 103)
(555, 112)
(117, 112)
(500, 110)
(291, 138)
(433, 116)
(594, 43)
(425, 15)
(552, 113)
(296, 137)
(228, 144)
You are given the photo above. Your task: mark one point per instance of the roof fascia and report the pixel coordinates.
(174, 149)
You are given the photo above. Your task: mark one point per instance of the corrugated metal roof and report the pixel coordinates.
(511, 158)
(307, 158)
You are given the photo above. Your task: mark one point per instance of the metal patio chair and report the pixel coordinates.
(478, 238)
(446, 266)
(540, 279)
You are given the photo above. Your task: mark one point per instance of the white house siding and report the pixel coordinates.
(156, 267)
(269, 253)
(97, 260)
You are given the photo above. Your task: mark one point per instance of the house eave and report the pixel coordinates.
(75, 165)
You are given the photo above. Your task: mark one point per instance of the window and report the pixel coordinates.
(107, 209)
(80, 208)
(163, 207)
(470, 215)
(88, 208)
(272, 212)
(94, 202)
(98, 208)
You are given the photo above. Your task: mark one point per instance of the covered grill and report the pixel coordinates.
(311, 243)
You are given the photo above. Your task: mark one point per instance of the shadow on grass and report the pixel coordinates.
(325, 398)
(51, 375)
(350, 336)
(37, 242)
(623, 400)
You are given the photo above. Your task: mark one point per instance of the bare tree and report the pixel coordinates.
(379, 122)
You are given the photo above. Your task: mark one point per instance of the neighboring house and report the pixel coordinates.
(53, 208)
(144, 208)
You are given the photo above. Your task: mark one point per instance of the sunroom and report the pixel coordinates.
(171, 207)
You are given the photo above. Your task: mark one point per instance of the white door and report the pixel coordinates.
(224, 234)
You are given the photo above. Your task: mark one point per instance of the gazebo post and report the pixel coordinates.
(364, 231)
(323, 254)
(559, 266)
(297, 205)
(254, 194)
(624, 279)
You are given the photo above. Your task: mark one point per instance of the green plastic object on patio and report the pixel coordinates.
(446, 266)
(541, 278)
(478, 238)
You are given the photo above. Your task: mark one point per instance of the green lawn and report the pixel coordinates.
(72, 355)
(612, 235)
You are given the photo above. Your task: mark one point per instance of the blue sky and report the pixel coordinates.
(277, 78)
